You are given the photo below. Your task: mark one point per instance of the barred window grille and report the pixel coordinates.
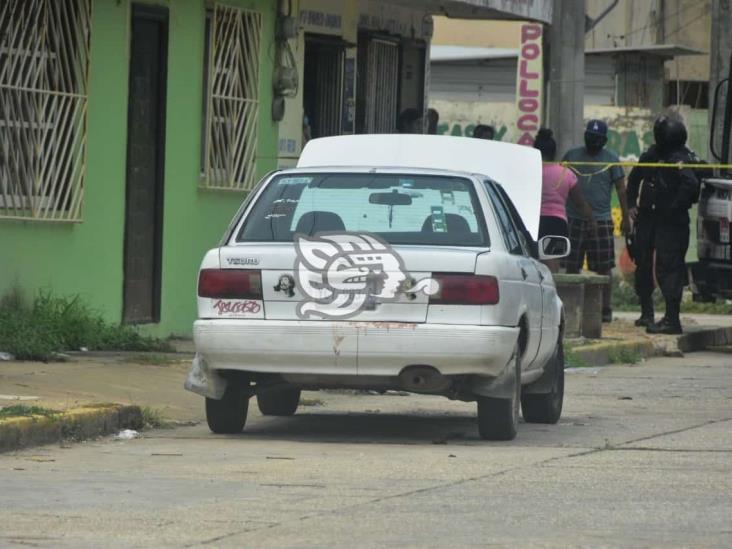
(232, 110)
(44, 64)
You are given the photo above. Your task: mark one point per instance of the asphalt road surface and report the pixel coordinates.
(641, 457)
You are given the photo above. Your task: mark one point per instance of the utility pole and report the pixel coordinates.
(719, 57)
(567, 73)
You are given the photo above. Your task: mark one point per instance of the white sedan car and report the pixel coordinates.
(378, 264)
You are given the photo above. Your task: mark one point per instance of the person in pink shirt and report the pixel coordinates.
(558, 184)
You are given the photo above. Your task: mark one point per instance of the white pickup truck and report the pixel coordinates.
(711, 277)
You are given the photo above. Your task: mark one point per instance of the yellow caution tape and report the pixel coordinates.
(607, 165)
(616, 213)
(647, 165)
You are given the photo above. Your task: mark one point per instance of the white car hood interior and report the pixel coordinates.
(516, 167)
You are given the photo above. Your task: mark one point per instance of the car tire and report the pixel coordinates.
(547, 407)
(228, 415)
(498, 417)
(278, 402)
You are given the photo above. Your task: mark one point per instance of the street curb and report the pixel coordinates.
(702, 339)
(598, 354)
(75, 424)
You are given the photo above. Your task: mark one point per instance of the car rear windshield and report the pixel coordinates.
(401, 209)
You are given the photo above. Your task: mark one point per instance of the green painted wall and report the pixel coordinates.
(86, 258)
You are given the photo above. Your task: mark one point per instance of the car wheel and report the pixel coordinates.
(498, 417)
(547, 408)
(228, 415)
(278, 402)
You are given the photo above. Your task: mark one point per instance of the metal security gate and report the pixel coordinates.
(323, 86)
(378, 85)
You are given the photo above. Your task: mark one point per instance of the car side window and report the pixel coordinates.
(511, 235)
(527, 241)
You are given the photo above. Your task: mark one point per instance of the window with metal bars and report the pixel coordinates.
(232, 99)
(44, 66)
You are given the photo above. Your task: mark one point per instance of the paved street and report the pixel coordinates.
(642, 457)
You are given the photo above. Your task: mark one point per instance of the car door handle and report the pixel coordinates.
(524, 273)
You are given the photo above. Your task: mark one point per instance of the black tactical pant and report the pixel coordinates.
(643, 246)
(672, 242)
(668, 236)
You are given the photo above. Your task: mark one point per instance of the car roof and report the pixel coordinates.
(381, 169)
(517, 168)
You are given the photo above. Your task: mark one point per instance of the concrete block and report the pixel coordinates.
(572, 295)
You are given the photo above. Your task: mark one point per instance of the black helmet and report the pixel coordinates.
(670, 134)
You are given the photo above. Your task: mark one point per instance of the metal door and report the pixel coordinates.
(145, 156)
(378, 85)
(323, 85)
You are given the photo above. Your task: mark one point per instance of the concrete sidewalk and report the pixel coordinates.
(687, 320)
(114, 378)
(621, 339)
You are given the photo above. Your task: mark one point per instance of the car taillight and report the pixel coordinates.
(230, 284)
(460, 289)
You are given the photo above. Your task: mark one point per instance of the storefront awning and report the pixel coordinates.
(449, 53)
(664, 51)
(526, 10)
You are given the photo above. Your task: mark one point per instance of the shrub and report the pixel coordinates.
(52, 324)
(21, 410)
(623, 355)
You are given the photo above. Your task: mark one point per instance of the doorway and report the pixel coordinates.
(323, 84)
(377, 100)
(145, 164)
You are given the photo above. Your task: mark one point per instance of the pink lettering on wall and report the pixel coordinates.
(524, 90)
(529, 82)
(530, 33)
(528, 123)
(530, 51)
(528, 105)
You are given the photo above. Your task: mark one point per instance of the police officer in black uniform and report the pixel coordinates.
(659, 200)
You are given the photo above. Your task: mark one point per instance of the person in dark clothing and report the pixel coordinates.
(659, 200)
(433, 120)
(409, 121)
(597, 244)
(483, 131)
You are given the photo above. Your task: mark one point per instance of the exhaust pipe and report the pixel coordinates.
(423, 379)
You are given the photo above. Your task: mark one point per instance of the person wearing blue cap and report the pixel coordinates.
(596, 241)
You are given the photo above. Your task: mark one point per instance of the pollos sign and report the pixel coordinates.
(529, 83)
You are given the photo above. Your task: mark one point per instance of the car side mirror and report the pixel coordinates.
(553, 247)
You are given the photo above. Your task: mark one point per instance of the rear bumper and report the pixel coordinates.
(348, 348)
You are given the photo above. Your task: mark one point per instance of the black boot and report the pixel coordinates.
(670, 324)
(646, 317)
(664, 326)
